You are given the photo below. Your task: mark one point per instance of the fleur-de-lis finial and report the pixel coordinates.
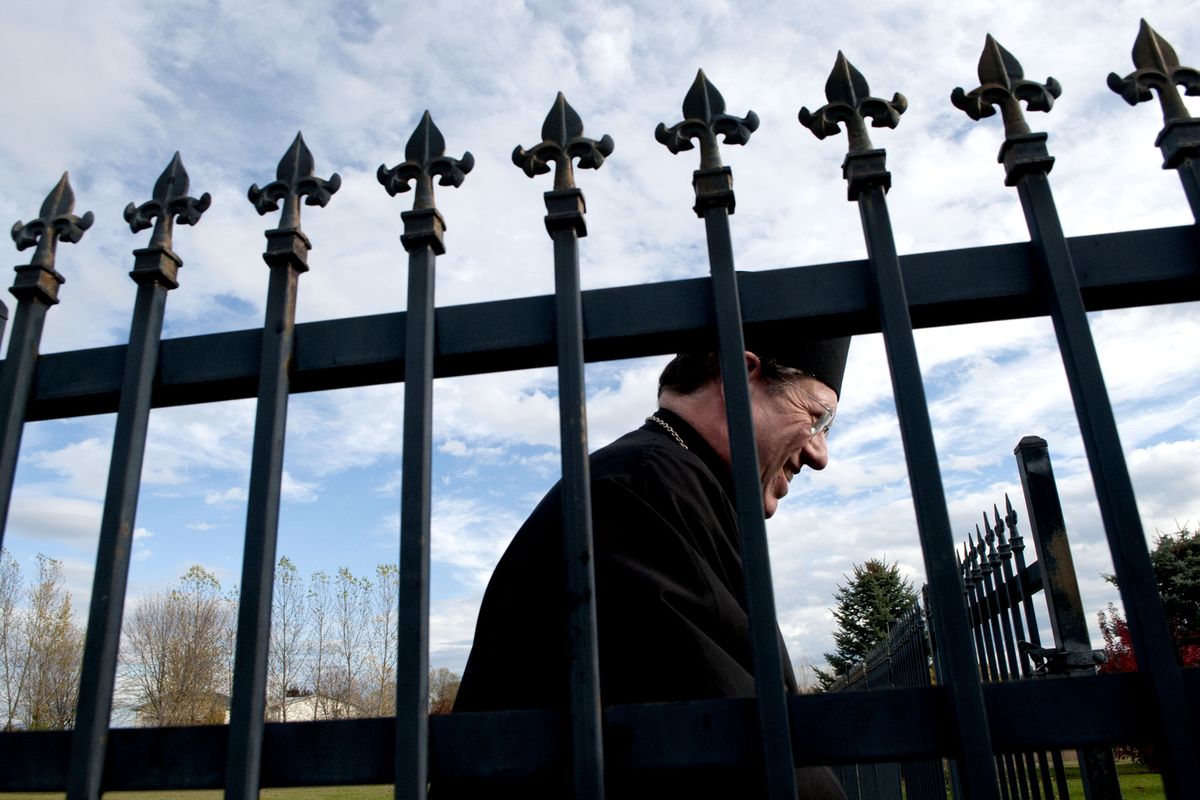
(704, 118)
(294, 178)
(999, 524)
(850, 103)
(1156, 67)
(167, 205)
(563, 141)
(1002, 83)
(55, 223)
(1010, 516)
(988, 530)
(985, 548)
(424, 159)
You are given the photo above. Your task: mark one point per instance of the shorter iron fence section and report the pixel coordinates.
(1002, 592)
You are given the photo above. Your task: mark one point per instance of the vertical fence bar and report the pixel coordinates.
(562, 141)
(705, 118)
(1157, 68)
(287, 257)
(156, 272)
(1017, 547)
(1005, 649)
(1073, 652)
(36, 289)
(868, 180)
(1027, 164)
(1010, 597)
(423, 239)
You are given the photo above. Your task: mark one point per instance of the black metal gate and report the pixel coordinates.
(960, 718)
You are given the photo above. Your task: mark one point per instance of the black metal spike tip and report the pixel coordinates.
(169, 203)
(563, 141)
(704, 118)
(999, 523)
(850, 103)
(1156, 67)
(1002, 84)
(425, 159)
(56, 222)
(294, 178)
(1010, 516)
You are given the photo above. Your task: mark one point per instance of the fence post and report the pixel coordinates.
(1027, 165)
(423, 240)
(1061, 589)
(704, 118)
(36, 289)
(562, 141)
(156, 272)
(287, 257)
(864, 169)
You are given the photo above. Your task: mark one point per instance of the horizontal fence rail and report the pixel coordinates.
(977, 284)
(979, 719)
(880, 725)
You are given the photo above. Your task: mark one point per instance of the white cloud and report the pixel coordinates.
(84, 465)
(60, 519)
(232, 495)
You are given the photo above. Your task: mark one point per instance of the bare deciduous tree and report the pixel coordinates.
(177, 652)
(443, 688)
(12, 656)
(285, 664)
(320, 603)
(41, 647)
(385, 596)
(351, 609)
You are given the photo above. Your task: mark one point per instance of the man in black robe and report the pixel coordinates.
(671, 614)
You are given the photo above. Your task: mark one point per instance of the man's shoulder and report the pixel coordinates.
(645, 454)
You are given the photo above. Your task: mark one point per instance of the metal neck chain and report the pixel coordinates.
(669, 430)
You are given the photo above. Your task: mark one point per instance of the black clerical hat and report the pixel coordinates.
(824, 359)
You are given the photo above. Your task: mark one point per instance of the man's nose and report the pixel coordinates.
(815, 452)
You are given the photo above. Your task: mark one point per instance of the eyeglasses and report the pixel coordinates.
(823, 423)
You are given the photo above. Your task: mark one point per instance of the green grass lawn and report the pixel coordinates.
(1136, 784)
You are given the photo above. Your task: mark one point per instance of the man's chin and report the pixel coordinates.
(770, 505)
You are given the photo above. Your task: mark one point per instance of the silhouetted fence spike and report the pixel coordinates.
(36, 289)
(156, 272)
(867, 181)
(1002, 84)
(294, 178)
(705, 119)
(167, 205)
(1027, 164)
(425, 159)
(1158, 69)
(286, 256)
(562, 142)
(422, 238)
(850, 104)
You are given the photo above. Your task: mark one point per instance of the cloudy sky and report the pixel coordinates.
(110, 90)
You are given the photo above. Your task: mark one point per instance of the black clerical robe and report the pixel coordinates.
(672, 621)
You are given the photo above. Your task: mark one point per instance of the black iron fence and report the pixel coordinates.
(961, 718)
(1003, 594)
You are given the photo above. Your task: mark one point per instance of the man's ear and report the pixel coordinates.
(753, 363)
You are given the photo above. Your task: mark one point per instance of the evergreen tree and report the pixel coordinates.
(872, 598)
(1176, 560)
